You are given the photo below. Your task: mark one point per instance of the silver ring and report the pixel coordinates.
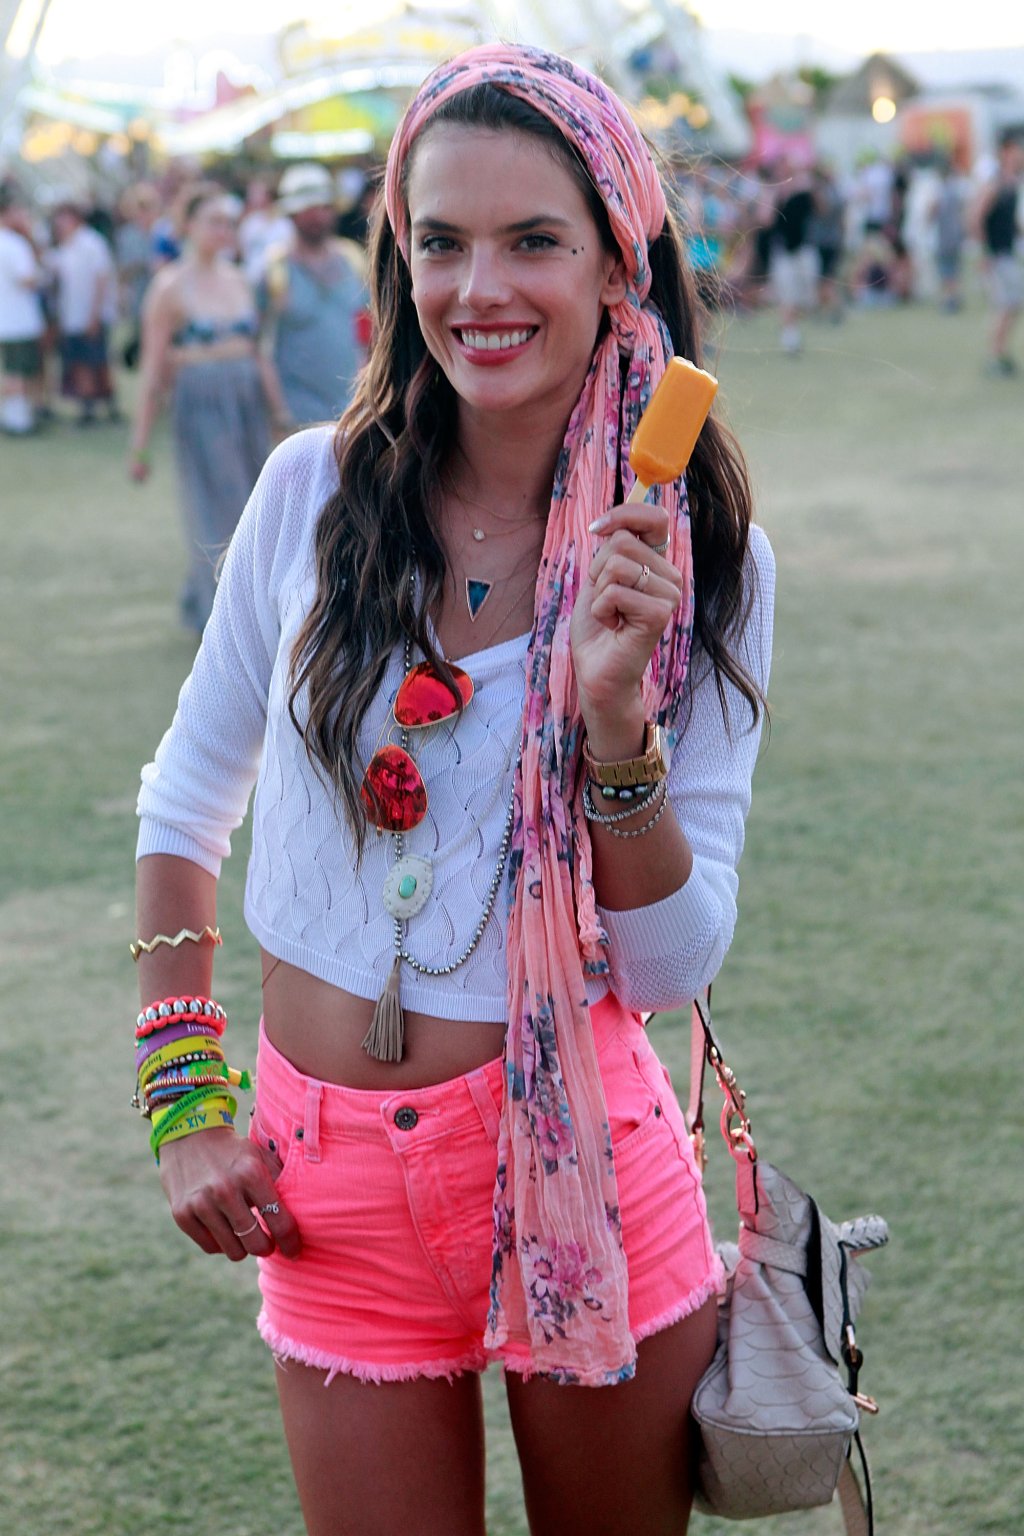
(246, 1230)
(642, 579)
(659, 549)
(273, 1209)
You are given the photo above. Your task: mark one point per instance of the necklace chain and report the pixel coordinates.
(492, 890)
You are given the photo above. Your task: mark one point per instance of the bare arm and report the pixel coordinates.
(213, 1179)
(615, 628)
(159, 318)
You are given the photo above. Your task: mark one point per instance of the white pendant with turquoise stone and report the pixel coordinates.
(408, 886)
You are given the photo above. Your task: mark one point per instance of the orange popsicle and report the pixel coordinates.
(670, 426)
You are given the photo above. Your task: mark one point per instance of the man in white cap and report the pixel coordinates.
(314, 298)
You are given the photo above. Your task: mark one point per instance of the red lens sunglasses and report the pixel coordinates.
(393, 792)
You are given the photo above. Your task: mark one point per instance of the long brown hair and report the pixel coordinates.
(380, 561)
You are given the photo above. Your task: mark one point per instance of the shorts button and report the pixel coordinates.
(657, 1110)
(406, 1118)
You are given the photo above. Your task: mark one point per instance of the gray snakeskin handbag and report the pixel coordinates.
(776, 1419)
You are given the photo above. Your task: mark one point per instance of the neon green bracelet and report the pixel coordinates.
(215, 1115)
(182, 1109)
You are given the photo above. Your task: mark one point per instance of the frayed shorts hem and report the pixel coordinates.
(288, 1351)
(714, 1285)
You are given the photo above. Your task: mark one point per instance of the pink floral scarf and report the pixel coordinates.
(558, 1302)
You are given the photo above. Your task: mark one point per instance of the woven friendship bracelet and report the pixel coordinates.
(146, 947)
(166, 1120)
(216, 1111)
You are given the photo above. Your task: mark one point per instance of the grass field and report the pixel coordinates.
(871, 1000)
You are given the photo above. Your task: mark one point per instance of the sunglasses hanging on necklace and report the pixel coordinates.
(393, 788)
(393, 793)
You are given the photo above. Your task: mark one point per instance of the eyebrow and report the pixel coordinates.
(520, 227)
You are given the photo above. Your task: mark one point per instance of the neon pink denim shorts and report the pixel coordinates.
(392, 1193)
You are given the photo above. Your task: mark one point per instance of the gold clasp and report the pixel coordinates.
(865, 1403)
(735, 1121)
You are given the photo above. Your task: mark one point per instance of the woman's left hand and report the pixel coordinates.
(624, 605)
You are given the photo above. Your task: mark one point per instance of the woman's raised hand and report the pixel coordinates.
(216, 1182)
(624, 606)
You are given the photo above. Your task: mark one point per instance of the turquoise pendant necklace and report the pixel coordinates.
(477, 593)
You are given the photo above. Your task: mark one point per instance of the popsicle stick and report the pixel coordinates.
(638, 492)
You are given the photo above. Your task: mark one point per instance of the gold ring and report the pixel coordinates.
(642, 579)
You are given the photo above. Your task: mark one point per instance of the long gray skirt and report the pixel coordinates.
(221, 438)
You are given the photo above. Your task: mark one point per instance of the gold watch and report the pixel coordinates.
(651, 768)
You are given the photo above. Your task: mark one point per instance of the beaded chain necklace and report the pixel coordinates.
(406, 892)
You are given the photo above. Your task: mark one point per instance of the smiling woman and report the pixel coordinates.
(510, 276)
(468, 881)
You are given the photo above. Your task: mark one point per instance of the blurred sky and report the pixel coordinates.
(82, 28)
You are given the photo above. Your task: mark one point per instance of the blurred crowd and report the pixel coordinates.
(808, 241)
(243, 303)
(801, 238)
(78, 280)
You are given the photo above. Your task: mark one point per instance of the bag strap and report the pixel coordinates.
(694, 1113)
(856, 1504)
(705, 1051)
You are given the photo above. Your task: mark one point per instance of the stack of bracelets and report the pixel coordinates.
(636, 796)
(631, 786)
(182, 1075)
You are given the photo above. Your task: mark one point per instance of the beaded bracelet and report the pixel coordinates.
(642, 831)
(173, 1057)
(167, 1089)
(220, 1108)
(178, 1010)
(637, 793)
(174, 1072)
(179, 1084)
(606, 818)
(197, 1059)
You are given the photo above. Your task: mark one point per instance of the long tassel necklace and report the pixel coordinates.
(406, 891)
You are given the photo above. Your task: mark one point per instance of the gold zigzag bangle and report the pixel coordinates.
(140, 947)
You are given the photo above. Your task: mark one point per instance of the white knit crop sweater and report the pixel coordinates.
(306, 901)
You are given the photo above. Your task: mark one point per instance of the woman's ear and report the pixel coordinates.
(615, 283)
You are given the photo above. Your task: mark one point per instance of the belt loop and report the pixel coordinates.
(483, 1098)
(311, 1125)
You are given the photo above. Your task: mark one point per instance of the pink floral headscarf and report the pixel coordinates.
(558, 1303)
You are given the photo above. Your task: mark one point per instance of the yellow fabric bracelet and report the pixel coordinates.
(214, 1114)
(196, 1045)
